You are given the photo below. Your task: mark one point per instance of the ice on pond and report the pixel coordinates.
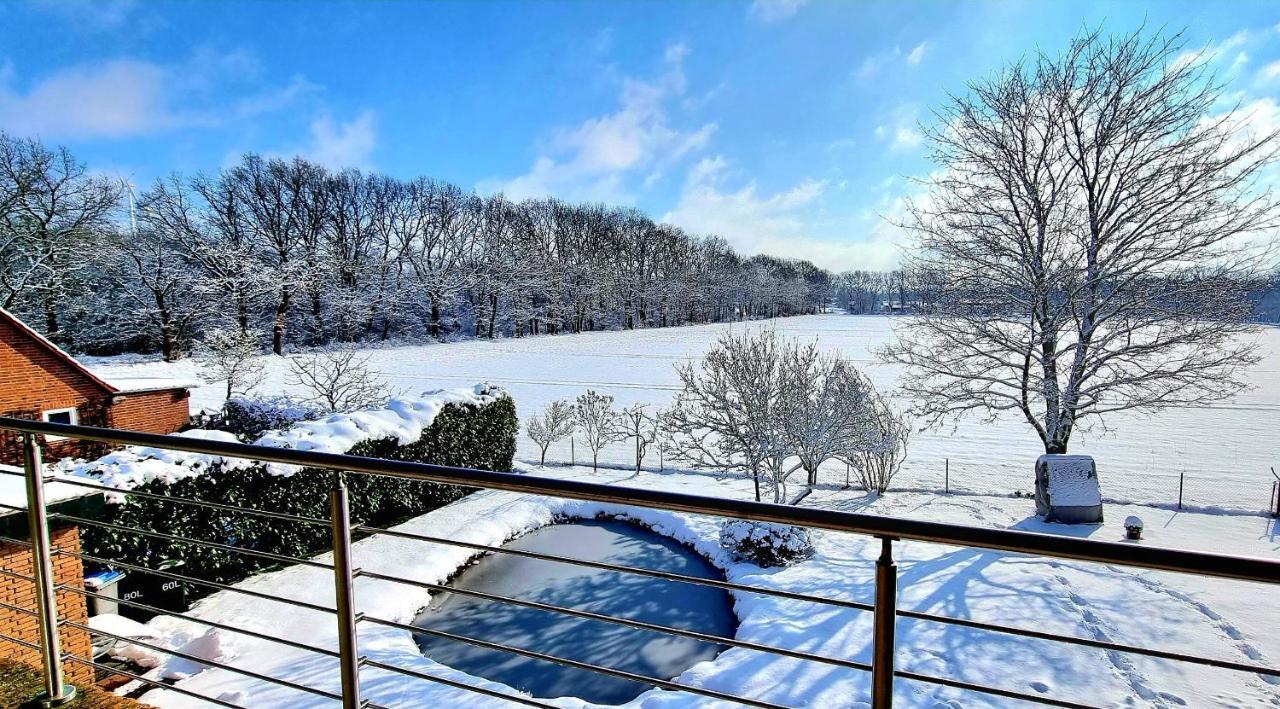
(671, 603)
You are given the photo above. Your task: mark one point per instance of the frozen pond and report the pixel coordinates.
(680, 605)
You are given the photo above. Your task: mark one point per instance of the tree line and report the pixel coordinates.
(297, 254)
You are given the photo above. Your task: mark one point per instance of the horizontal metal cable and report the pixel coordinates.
(19, 642)
(1089, 642)
(455, 684)
(589, 615)
(995, 691)
(204, 661)
(16, 575)
(670, 576)
(16, 542)
(1006, 540)
(178, 539)
(14, 508)
(199, 503)
(200, 582)
(622, 674)
(148, 681)
(199, 621)
(19, 609)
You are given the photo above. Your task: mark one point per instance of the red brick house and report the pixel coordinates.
(41, 382)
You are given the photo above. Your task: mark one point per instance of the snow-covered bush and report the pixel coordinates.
(595, 418)
(474, 428)
(250, 417)
(766, 544)
(231, 355)
(338, 380)
(555, 423)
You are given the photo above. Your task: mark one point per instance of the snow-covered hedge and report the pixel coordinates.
(473, 428)
(250, 417)
(765, 544)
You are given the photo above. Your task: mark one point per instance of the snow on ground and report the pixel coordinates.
(1203, 616)
(1224, 450)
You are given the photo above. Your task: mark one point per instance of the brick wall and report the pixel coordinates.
(17, 592)
(34, 380)
(163, 411)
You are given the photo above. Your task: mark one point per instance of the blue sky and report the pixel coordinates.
(786, 126)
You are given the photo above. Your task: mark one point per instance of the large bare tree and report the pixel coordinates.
(1089, 225)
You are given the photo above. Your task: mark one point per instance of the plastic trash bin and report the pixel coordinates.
(104, 583)
(154, 590)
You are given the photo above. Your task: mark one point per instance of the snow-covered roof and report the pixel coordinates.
(1073, 480)
(13, 490)
(137, 385)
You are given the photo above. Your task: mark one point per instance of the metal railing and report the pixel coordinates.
(348, 618)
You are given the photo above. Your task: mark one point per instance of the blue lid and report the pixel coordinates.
(105, 576)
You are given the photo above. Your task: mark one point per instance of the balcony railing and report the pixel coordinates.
(348, 618)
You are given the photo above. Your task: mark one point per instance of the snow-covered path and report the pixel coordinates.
(1225, 450)
(1203, 616)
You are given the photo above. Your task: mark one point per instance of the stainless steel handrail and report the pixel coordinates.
(887, 530)
(1194, 562)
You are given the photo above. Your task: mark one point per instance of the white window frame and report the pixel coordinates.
(75, 420)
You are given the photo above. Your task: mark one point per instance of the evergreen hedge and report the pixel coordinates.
(464, 435)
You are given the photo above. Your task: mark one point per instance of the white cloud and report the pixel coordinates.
(340, 145)
(1216, 51)
(901, 131)
(1270, 72)
(775, 10)
(917, 55)
(123, 98)
(91, 14)
(873, 64)
(780, 224)
(592, 160)
(114, 99)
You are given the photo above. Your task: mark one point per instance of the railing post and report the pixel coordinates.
(344, 592)
(56, 691)
(886, 615)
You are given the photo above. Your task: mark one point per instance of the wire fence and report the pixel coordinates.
(343, 659)
(1193, 490)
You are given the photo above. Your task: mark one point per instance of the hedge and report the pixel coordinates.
(464, 435)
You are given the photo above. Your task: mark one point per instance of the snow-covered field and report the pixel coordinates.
(1225, 451)
(1209, 617)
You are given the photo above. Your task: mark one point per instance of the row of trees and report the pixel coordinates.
(757, 405)
(312, 256)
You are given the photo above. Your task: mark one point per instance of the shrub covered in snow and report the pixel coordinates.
(473, 428)
(765, 544)
(250, 417)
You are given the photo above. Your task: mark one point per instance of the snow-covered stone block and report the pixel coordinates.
(1067, 489)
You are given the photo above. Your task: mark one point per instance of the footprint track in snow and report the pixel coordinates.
(1225, 626)
(1121, 663)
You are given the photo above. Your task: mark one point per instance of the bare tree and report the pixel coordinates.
(556, 423)
(634, 422)
(230, 355)
(1089, 230)
(595, 416)
(338, 379)
(726, 416)
(826, 408)
(879, 456)
(53, 212)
